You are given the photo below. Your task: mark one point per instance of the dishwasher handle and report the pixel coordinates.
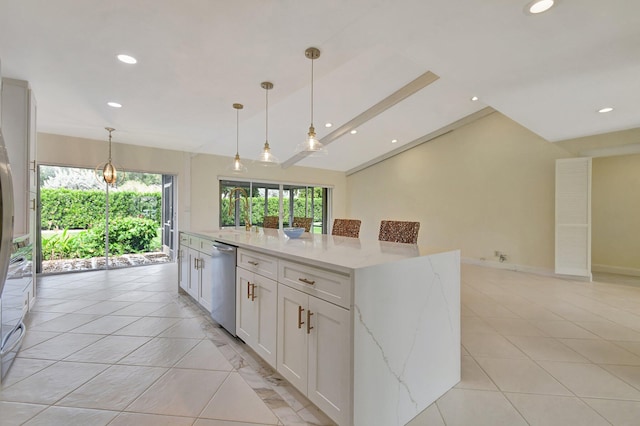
(224, 248)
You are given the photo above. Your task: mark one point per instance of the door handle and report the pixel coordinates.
(248, 289)
(253, 292)
(309, 328)
(300, 311)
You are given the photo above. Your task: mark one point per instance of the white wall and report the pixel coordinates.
(197, 174)
(484, 187)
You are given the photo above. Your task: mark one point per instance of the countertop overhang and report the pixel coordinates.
(319, 249)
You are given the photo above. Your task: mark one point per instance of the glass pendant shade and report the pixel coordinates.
(108, 172)
(236, 167)
(266, 157)
(312, 146)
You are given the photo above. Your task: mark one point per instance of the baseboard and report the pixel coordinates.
(620, 270)
(522, 268)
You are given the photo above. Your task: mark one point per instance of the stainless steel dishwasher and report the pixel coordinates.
(223, 295)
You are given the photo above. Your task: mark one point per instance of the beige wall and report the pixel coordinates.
(615, 209)
(197, 174)
(484, 187)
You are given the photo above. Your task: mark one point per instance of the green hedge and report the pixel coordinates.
(126, 235)
(81, 209)
(257, 212)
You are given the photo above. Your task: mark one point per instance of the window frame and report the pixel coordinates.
(251, 185)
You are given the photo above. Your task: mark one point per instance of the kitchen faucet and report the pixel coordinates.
(232, 200)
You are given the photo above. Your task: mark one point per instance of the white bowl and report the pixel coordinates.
(293, 232)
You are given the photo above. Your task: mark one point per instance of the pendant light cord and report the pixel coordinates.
(237, 131)
(110, 145)
(312, 92)
(266, 120)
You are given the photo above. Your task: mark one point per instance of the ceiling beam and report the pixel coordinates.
(404, 92)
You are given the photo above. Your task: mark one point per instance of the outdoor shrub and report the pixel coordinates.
(80, 209)
(126, 235)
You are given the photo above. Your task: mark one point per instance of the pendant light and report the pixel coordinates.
(108, 172)
(266, 158)
(237, 167)
(312, 145)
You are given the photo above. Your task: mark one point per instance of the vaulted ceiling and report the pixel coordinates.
(550, 72)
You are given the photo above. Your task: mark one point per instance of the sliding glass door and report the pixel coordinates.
(87, 226)
(266, 199)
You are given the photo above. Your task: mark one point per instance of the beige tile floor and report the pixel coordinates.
(545, 351)
(121, 347)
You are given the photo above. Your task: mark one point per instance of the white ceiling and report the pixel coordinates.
(549, 72)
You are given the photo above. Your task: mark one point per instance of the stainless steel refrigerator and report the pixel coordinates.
(11, 308)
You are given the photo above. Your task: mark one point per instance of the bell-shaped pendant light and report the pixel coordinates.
(312, 145)
(107, 172)
(237, 167)
(266, 158)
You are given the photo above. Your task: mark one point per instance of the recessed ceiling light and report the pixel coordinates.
(354, 131)
(474, 98)
(127, 59)
(607, 109)
(394, 141)
(114, 104)
(328, 124)
(539, 6)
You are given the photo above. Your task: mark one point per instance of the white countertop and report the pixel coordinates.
(322, 250)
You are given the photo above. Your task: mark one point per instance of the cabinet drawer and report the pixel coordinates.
(327, 285)
(205, 246)
(261, 264)
(184, 239)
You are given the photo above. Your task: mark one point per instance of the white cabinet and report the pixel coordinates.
(19, 131)
(195, 262)
(19, 111)
(256, 302)
(256, 313)
(184, 269)
(314, 350)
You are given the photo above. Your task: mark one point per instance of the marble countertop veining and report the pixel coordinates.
(321, 250)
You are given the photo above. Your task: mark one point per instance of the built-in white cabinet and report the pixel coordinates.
(195, 262)
(19, 131)
(313, 350)
(19, 110)
(256, 313)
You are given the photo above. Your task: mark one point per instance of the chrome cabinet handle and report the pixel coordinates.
(309, 328)
(306, 281)
(300, 311)
(253, 292)
(251, 262)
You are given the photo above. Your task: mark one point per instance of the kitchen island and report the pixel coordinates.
(369, 331)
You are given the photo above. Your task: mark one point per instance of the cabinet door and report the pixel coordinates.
(266, 299)
(246, 309)
(194, 278)
(292, 336)
(205, 292)
(185, 268)
(329, 363)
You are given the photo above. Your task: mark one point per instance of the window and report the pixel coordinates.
(264, 200)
